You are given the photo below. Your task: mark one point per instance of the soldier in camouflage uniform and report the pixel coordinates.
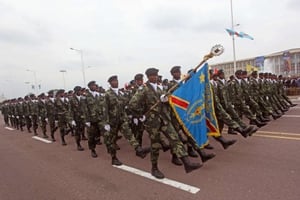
(4, 111)
(20, 113)
(95, 110)
(62, 115)
(51, 114)
(281, 91)
(158, 120)
(239, 101)
(42, 113)
(118, 121)
(77, 114)
(27, 113)
(34, 112)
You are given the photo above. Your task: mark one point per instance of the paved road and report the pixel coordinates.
(263, 167)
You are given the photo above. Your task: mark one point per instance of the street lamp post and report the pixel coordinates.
(35, 80)
(82, 64)
(27, 83)
(63, 75)
(233, 40)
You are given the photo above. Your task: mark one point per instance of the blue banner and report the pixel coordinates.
(193, 105)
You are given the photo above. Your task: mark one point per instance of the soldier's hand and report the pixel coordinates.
(56, 122)
(88, 124)
(143, 118)
(46, 119)
(107, 127)
(73, 123)
(164, 98)
(135, 121)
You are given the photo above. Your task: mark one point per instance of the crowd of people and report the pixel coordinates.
(90, 114)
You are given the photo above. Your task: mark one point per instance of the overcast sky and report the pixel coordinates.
(125, 37)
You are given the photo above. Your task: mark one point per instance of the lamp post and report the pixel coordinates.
(233, 40)
(27, 83)
(35, 80)
(63, 75)
(82, 64)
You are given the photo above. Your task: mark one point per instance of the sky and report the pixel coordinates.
(125, 37)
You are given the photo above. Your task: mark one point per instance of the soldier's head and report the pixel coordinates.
(51, 93)
(77, 90)
(266, 75)
(221, 74)
(152, 74)
(238, 74)
(244, 74)
(280, 77)
(261, 75)
(92, 85)
(176, 72)
(42, 96)
(138, 79)
(113, 81)
(254, 74)
(32, 97)
(60, 93)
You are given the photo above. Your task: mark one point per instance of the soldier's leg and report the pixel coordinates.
(62, 129)
(51, 122)
(92, 131)
(78, 129)
(28, 123)
(43, 127)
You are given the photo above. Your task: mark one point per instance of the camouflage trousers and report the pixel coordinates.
(125, 130)
(169, 131)
(138, 131)
(43, 124)
(93, 133)
(224, 118)
(243, 109)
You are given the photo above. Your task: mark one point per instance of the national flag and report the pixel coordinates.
(250, 68)
(239, 34)
(193, 105)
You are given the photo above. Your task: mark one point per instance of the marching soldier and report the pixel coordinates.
(34, 112)
(42, 113)
(77, 114)
(27, 113)
(118, 121)
(158, 120)
(51, 114)
(62, 115)
(20, 113)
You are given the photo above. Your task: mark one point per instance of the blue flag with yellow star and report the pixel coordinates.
(193, 105)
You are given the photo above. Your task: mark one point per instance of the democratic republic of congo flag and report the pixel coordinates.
(193, 105)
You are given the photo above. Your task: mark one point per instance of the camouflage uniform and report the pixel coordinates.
(20, 114)
(51, 114)
(34, 113)
(27, 113)
(42, 113)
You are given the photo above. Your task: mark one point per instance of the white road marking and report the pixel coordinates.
(176, 184)
(41, 139)
(290, 115)
(278, 137)
(279, 133)
(11, 129)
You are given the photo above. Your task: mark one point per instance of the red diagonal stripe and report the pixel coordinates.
(179, 102)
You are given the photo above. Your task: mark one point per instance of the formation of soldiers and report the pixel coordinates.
(133, 110)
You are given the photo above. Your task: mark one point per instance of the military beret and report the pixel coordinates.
(42, 95)
(138, 77)
(175, 69)
(254, 73)
(77, 88)
(50, 92)
(60, 91)
(244, 72)
(112, 78)
(220, 71)
(261, 73)
(32, 95)
(91, 83)
(238, 72)
(151, 71)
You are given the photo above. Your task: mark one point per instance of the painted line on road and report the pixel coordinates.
(41, 139)
(277, 137)
(11, 129)
(291, 116)
(176, 184)
(278, 133)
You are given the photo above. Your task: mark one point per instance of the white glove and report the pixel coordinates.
(135, 121)
(267, 97)
(46, 120)
(18, 117)
(30, 117)
(13, 116)
(164, 98)
(107, 127)
(143, 118)
(130, 116)
(73, 123)
(88, 124)
(56, 122)
(40, 118)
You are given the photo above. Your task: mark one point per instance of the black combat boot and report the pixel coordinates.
(93, 153)
(205, 156)
(140, 152)
(225, 143)
(175, 160)
(209, 146)
(165, 147)
(156, 173)
(115, 161)
(231, 131)
(263, 119)
(250, 130)
(275, 116)
(52, 137)
(45, 135)
(188, 165)
(257, 123)
(191, 152)
(63, 142)
(242, 131)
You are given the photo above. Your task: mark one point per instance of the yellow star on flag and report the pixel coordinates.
(202, 78)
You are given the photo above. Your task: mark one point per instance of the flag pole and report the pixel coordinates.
(233, 40)
(215, 51)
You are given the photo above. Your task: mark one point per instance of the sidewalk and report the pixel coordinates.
(296, 97)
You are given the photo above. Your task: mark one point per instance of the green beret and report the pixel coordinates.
(77, 88)
(91, 83)
(151, 71)
(175, 69)
(138, 77)
(112, 78)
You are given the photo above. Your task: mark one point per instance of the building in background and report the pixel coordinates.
(284, 62)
